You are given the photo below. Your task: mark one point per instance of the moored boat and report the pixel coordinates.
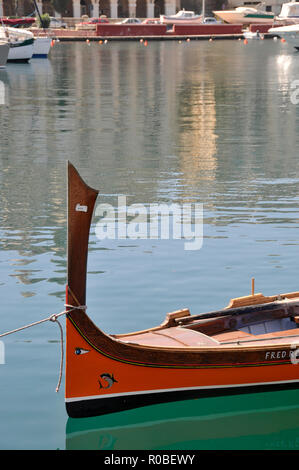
(182, 17)
(289, 14)
(21, 43)
(253, 35)
(4, 50)
(289, 33)
(249, 346)
(245, 15)
(42, 47)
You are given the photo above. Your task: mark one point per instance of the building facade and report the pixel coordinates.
(126, 8)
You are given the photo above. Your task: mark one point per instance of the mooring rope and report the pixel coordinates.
(53, 318)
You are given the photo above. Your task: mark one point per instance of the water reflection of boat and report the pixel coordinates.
(266, 421)
(245, 15)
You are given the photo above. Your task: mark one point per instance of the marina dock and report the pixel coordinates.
(157, 32)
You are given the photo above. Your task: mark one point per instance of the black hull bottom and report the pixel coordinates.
(101, 406)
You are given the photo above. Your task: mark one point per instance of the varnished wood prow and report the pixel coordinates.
(81, 201)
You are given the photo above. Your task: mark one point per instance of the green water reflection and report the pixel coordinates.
(265, 421)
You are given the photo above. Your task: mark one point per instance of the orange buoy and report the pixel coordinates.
(100, 42)
(283, 40)
(52, 43)
(145, 43)
(245, 41)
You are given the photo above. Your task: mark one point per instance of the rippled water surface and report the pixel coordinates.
(199, 122)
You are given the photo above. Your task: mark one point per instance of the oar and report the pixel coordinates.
(271, 306)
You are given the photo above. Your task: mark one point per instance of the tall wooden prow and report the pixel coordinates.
(81, 201)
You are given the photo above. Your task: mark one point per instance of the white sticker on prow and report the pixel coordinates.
(80, 208)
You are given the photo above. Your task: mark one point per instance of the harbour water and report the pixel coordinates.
(193, 122)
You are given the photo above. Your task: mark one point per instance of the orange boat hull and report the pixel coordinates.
(99, 384)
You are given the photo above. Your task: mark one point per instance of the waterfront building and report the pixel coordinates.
(128, 8)
(111, 8)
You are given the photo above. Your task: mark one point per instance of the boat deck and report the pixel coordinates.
(269, 323)
(176, 337)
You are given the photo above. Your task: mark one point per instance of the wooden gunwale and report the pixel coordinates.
(150, 356)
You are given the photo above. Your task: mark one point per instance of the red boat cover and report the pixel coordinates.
(17, 21)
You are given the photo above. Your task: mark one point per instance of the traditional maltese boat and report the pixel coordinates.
(252, 345)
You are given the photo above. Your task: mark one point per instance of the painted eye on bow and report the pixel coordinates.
(81, 351)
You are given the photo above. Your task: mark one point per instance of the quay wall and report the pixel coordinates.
(158, 31)
(161, 30)
(262, 28)
(207, 29)
(131, 30)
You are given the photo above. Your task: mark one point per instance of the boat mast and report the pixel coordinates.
(81, 201)
(39, 15)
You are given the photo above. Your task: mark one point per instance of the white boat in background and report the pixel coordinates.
(4, 50)
(21, 43)
(42, 46)
(289, 14)
(290, 33)
(245, 15)
(253, 35)
(182, 17)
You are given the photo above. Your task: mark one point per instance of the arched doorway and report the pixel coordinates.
(86, 7)
(123, 9)
(192, 5)
(28, 7)
(104, 8)
(141, 9)
(8, 8)
(48, 7)
(159, 8)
